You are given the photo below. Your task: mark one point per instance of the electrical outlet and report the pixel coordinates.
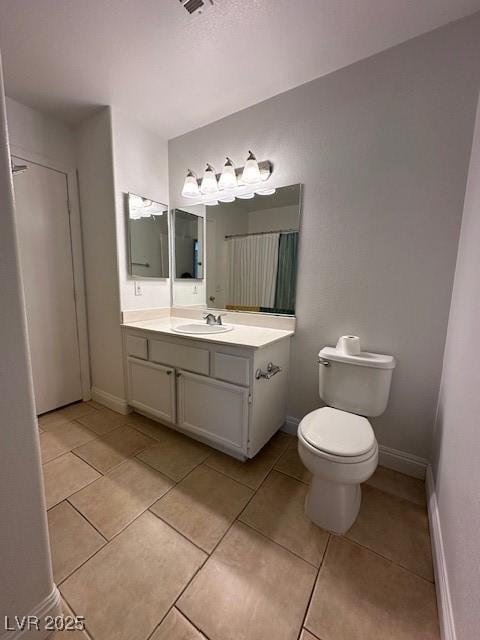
(195, 290)
(138, 288)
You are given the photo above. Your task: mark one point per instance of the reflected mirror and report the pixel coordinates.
(148, 254)
(188, 245)
(251, 252)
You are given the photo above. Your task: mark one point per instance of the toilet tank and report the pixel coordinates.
(359, 384)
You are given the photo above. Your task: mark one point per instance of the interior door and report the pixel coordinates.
(43, 228)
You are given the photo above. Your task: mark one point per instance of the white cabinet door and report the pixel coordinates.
(151, 388)
(213, 409)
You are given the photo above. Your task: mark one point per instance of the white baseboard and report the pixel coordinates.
(50, 606)
(444, 602)
(394, 459)
(402, 461)
(115, 403)
(291, 425)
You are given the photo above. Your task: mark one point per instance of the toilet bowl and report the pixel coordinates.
(339, 461)
(336, 443)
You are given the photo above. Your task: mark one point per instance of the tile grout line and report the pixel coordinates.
(213, 551)
(309, 601)
(396, 564)
(249, 526)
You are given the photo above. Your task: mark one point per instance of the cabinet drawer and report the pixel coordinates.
(231, 368)
(180, 356)
(137, 347)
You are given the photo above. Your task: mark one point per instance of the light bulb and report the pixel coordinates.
(251, 172)
(209, 182)
(228, 178)
(265, 192)
(190, 186)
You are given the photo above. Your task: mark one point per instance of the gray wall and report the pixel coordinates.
(26, 579)
(97, 204)
(457, 430)
(382, 148)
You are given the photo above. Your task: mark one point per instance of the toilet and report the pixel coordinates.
(336, 443)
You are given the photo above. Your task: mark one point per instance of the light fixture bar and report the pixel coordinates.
(265, 167)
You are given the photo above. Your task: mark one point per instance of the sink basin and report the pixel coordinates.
(199, 327)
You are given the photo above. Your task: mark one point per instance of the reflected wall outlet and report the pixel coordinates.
(138, 288)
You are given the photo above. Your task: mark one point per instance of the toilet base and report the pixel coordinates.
(333, 506)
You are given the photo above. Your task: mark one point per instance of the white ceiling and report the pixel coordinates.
(176, 72)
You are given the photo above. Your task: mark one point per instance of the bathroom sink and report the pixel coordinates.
(198, 327)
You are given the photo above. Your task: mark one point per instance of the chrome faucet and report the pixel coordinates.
(211, 319)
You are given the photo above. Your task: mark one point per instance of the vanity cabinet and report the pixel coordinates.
(208, 390)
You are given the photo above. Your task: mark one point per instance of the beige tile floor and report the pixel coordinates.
(157, 537)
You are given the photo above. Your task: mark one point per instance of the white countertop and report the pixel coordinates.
(241, 335)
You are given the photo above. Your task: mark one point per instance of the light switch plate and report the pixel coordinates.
(138, 288)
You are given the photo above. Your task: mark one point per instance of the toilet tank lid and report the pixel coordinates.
(364, 358)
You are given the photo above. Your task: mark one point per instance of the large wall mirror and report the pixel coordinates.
(188, 244)
(148, 252)
(252, 247)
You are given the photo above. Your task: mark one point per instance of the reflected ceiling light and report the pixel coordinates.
(245, 196)
(190, 186)
(251, 172)
(228, 179)
(229, 198)
(209, 182)
(265, 192)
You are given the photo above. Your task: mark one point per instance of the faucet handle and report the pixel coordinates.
(219, 318)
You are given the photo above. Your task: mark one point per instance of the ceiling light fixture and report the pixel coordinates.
(209, 182)
(251, 171)
(228, 179)
(190, 186)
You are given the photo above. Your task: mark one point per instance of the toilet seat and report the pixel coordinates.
(338, 435)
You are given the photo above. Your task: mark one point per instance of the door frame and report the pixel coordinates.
(77, 256)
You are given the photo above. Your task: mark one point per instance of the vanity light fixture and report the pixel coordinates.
(253, 174)
(251, 171)
(265, 192)
(209, 182)
(245, 196)
(211, 203)
(228, 179)
(190, 186)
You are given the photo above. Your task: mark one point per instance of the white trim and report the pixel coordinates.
(291, 425)
(444, 601)
(49, 606)
(401, 461)
(77, 255)
(120, 405)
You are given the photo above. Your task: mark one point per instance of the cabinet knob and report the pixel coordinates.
(169, 373)
(178, 374)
